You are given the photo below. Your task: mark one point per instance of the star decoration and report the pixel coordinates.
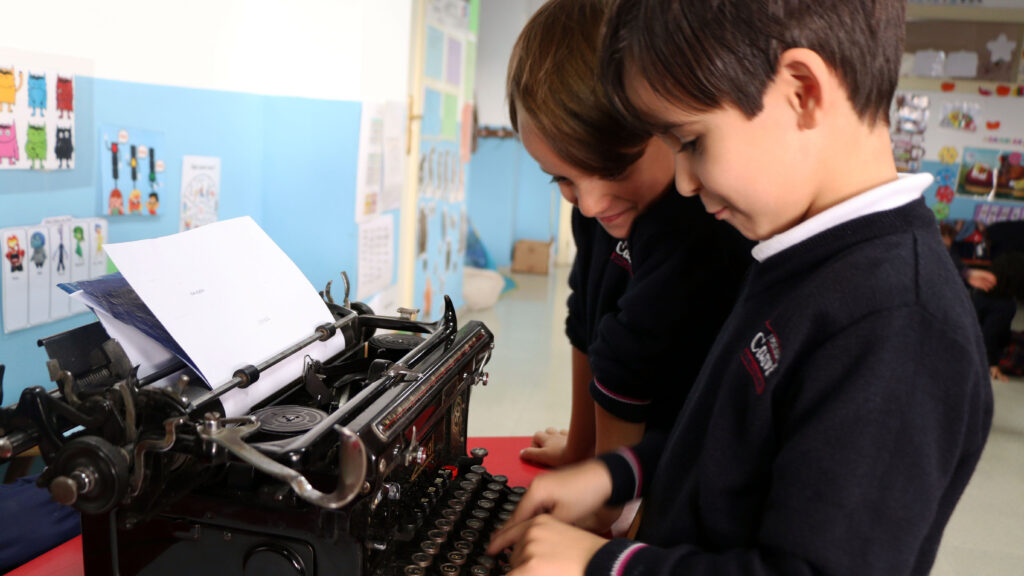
(1001, 49)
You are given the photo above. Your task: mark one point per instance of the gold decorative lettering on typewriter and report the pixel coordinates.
(359, 466)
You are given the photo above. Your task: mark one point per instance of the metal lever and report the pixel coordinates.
(351, 460)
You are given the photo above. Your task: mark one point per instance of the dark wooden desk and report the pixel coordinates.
(503, 458)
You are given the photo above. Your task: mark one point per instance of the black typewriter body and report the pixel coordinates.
(360, 466)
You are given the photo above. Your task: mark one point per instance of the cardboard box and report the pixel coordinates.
(532, 256)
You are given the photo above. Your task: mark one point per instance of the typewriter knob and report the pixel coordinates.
(91, 474)
(273, 559)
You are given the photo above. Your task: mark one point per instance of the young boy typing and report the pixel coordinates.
(846, 401)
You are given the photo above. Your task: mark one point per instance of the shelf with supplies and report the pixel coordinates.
(976, 50)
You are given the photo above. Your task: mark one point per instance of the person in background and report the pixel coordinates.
(654, 275)
(995, 301)
(846, 401)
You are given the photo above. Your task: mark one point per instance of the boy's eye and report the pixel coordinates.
(687, 146)
(559, 179)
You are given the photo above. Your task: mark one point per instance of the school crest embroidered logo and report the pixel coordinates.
(621, 256)
(761, 357)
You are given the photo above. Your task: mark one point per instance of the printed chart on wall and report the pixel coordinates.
(36, 258)
(381, 168)
(446, 135)
(131, 171)
(200, 191)
(37, 110)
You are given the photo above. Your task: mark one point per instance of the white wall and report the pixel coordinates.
(500, 24)
(353, 49)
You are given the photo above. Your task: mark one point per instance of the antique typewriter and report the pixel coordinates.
(358, 467)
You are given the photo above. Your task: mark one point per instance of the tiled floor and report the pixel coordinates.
(529, 390)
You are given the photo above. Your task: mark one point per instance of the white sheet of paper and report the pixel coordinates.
(229, 297)
(962, 64)
(929, 63)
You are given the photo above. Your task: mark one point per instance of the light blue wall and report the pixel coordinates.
(289, 163)
(509, 198)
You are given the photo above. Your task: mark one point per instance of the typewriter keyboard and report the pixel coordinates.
(455, 517)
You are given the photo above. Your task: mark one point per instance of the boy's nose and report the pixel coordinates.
(592, 198)
(687, 182)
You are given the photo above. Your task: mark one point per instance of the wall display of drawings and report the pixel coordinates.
(450, 56)
(35, 259)
(131, 171)
(963, 49)
(37, 112)
(971, 143)
(200, 191)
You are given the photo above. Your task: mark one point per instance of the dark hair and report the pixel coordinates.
(705, 54)
(552, 77)
(1009, 271)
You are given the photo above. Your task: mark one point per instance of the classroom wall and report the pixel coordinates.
(510, 197)
(273, 88)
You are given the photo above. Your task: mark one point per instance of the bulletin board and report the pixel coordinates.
(959, 111)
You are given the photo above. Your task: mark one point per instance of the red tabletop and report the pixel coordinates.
(502, 458)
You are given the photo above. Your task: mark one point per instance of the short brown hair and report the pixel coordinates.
(704, 54)
(552, 77)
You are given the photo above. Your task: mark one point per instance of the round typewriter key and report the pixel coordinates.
(450, 513)
(444, 524)
(456, 504)
(500, 479)
(514, 498)
(487, 561)
(462, 494)
(485, 504)
(518, 490)
(478, 469)
(508, 507)
(422, 559)
(504, 516)
(480, 570)
(463, 546)
(490, 494)
(467, 485)
(480, 514)
(495, 486)
(474, 476)
(437, 535)
(457, 558)
(469, 535)
(475, 524)
(449, 569)
(414, 571)
(430, 547)
(433, 493)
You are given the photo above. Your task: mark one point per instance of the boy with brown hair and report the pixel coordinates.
(654, 275)
(846, 401)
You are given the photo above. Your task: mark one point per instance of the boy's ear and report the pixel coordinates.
(806, 79)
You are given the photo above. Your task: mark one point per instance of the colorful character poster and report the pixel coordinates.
(131, 171)
(992, 174)
(37, 111)
(200, 191)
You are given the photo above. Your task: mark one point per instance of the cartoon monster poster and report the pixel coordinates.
(37, 112)
(131, 171)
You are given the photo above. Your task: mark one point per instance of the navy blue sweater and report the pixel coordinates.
(658, 298)
(835, 424)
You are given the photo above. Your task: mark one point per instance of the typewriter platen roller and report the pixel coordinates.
(359, 466)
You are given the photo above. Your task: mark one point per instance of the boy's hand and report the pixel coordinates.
(547, 546)
(549, 448)
(570, 495)
(981, 279)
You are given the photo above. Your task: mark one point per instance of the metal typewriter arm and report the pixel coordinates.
(351, 460)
